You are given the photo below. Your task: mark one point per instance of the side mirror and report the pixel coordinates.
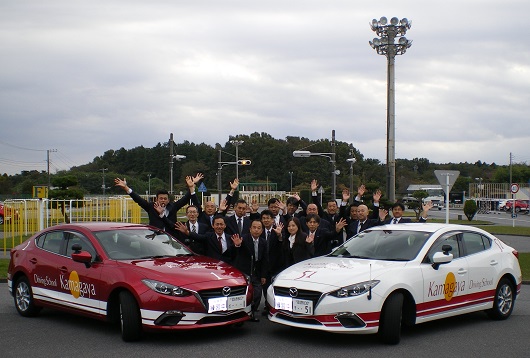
(440, 258)
(82, 256)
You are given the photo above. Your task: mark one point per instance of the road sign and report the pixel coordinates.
(446, 178)
(514, 188)
(202, 188)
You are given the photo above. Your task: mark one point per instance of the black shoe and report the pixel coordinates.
(254, 318)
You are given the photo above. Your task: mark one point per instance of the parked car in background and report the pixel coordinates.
(394, 275)
(520, 205)
(135, 275)
(7, 213)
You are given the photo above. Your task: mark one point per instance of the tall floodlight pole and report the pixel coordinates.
(291, 174)
(385, 45)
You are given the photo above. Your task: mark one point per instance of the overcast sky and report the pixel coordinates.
(83, 77)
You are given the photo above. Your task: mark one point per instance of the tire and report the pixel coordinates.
(390, 321)
(23, 296)
(1, 220)
(504, 300)
(517, 209)
(131, 326)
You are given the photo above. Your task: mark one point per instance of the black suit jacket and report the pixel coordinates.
(274, 252)
(244, 258)
(352, 227)
(154, 217)
(197, 246)
(403, 220)
(323, 238)
(211, 245)
(232, 228)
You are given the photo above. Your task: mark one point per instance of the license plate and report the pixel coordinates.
(226, 303)
(293, 305)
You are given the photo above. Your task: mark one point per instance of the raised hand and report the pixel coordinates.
(159, 208)
(120, 183)
(181, 227)
(382, 214)
(189, 181)
(427, 206)
(310, 238)
(281, 205)
(223, 206)
(234, 184)
(198, 177)
(314, 185)
(377, 196)
(345, 195)
(340, 225)
(361, 190)
(237, 240)
(278, 229)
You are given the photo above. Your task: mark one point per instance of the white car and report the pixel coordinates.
(398, 274)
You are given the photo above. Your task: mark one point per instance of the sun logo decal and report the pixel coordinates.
(74, 284)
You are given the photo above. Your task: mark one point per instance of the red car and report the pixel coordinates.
(520, 205)
(134, 274)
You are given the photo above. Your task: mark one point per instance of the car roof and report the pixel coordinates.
(427, 227)
(101, 226)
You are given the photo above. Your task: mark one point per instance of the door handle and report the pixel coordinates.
(462, 271)
(493, 262)
(33, 260)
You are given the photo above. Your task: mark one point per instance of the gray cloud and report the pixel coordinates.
(84, 77)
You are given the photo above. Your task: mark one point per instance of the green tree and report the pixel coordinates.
(470, 209)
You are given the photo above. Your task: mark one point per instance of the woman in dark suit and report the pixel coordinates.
(297, 246)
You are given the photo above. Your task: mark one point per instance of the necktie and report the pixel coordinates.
(256, 243)
(220, 239)
(267, 233)
(395, 221)
(193, 228)
(211, 220)
(240, 225)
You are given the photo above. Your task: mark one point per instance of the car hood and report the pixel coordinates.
(186, 270)
(334, 272)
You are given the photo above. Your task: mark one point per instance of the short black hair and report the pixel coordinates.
(312, 216)
(267, 212)
(272, 201)
(240, 201)
(395, 205)
(293, 201)
(162, 192)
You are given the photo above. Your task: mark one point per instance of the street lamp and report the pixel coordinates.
(351, 161)
(331, 157)
(237, 143)
(103, 185)
(385, 45)
(291, 174)
(178, 158)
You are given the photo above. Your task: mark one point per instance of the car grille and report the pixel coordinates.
(313, 296)
(218, 292)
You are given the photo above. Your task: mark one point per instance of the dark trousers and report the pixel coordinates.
(257, 291)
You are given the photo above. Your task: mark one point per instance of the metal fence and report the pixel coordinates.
(24, 217)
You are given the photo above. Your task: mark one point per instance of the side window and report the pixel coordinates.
(76, 238)
(51, 241)
(475, 243)
(451, 239)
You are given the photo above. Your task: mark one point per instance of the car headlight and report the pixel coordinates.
(166, 288)
(355, 290)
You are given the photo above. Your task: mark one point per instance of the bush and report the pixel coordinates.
(470, 209)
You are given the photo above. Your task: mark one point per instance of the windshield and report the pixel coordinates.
(139, 244)
(394, 245)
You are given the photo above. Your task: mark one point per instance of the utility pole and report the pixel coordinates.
(48, 164)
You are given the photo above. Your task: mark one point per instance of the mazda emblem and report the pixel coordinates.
(226, 291)
(293, 292)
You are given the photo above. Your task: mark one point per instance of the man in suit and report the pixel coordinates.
(397, 214)
(238, 223)
(210, 209)
(193, 225)
(363, 222)
(250, 257)
(169, 211)
(324, 239)
(217, 244)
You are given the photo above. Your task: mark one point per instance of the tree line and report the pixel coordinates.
(272, 162)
